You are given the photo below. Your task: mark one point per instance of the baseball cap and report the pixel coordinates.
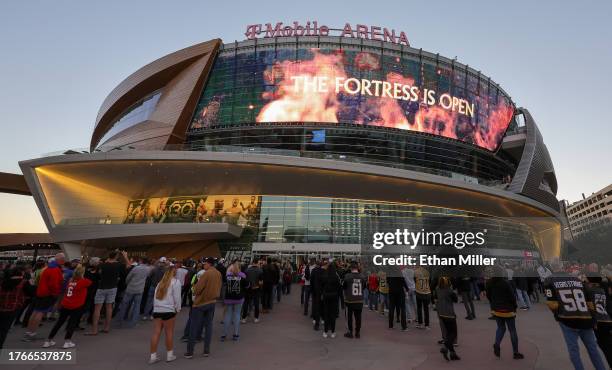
(209, 260)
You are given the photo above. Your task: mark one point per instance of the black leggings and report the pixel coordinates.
(73, 317)
(330, 309)
(450, 332)
(422, 308)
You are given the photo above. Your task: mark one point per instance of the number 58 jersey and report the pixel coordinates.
(567, 293)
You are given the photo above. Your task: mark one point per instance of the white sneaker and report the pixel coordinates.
(48, 343)
(154, 359)
(171, 358)
(324, 334)
(69, 344)
(243, 321)
(333, 334)
(256, 321)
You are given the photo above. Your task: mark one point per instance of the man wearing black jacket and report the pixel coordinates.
(316, 285)
(268, 277)
(397, 298)
(307, 284)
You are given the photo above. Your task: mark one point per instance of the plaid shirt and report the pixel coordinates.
(11, 300)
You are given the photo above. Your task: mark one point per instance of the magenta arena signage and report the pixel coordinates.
(313, 28)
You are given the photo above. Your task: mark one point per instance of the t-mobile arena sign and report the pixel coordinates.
(361, 31)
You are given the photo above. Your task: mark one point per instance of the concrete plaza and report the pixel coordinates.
(284, 339)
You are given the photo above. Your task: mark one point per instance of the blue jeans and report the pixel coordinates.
(232, 316)
(411, 305)
(502, 323)
(133, 300)
(373, 300)
(201, 319)
(383, 299)
(588, 338)
(523, 298)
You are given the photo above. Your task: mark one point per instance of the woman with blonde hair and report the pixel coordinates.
(235, 289)
(167, 303)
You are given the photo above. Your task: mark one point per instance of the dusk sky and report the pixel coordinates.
(61, 58)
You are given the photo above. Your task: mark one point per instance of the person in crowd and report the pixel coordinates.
(383, 293)
(71, 308)
(445, 297)
(31, 287)
(12, 298)
(278, 281)
(92, 274)
(307, 284)
(522, 288)
(287, 276)
(568, 302)
(166, 304)
(181, 274)
(423, 296)
(502, 299)
(601, 310)
(155, 276)
(330, 295)
(252, 297)
(235, 290)
(268, 285)
(353, 285)
(28, 289)
(47, 293)
(373, 290)
(300, 276)
(206, 291)
(408, 275)
(199, 271)
(122, 284)
(184, 275)
(464, 287)
(397, 299)
(316, 284)
(129, 310)
(110, 272)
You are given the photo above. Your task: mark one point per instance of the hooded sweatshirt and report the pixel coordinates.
(51, 280)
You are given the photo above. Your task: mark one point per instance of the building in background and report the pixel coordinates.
(590, 212)
(299, 145)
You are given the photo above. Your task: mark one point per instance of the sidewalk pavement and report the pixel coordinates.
(284, 339)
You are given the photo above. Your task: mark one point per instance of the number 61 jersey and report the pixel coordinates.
(567, 299)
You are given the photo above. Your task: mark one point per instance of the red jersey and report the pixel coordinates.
(76, 293)
(50, 283)
(373, 283)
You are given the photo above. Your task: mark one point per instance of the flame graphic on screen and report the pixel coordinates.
(287, 105)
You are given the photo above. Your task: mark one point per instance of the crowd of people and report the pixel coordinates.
(578, 297)
(120, 291)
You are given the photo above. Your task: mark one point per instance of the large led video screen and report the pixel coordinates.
(356, 87)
